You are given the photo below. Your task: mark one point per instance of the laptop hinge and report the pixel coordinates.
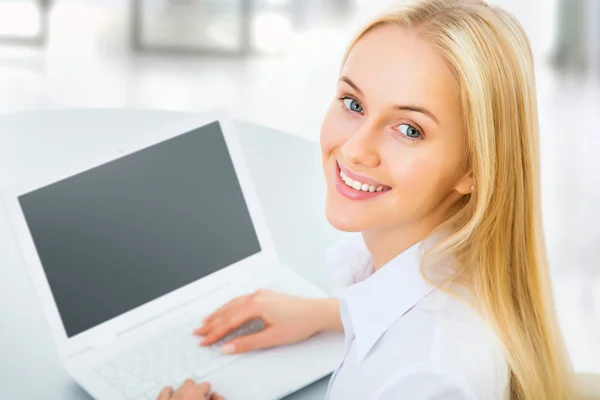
(79, 353)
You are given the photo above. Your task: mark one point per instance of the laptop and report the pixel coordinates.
(128, 254)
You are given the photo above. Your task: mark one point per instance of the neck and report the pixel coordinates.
(386, 243)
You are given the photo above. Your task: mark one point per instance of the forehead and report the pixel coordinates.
(396, 64)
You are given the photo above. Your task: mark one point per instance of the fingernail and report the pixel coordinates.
(228, 348)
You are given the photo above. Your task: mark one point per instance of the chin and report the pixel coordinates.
(343, 221)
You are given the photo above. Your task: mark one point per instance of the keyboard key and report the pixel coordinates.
(163, 379)
(138, 371)
(132, 382)
(140, 389)
(151, 395)
(177, 383)
(107, 371)
(199, 373)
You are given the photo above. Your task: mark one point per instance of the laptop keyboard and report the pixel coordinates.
(172, 357)
(169, 359)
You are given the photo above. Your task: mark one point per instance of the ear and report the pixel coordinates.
(466, 184)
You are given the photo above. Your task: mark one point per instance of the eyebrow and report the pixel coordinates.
(414, 108)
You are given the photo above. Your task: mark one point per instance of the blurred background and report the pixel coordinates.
(275, 63)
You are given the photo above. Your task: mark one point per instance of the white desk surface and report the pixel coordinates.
(288, 177)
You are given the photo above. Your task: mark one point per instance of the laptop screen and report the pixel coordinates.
(122, 234)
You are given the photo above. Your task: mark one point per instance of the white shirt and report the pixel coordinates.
(405, 339)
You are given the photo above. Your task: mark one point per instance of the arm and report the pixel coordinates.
(328, 314)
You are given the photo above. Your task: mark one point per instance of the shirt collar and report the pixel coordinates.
(372, 305)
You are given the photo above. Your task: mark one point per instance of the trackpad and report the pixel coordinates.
(276, 373)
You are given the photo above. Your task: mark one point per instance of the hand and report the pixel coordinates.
(189, 391)
(288, 319)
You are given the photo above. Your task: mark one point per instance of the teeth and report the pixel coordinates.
(358, 185)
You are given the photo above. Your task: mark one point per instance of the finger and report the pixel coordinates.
(225, 324)
(189, 383)
(203, 388)
(201, 331)
(268, 337)
(233, 303)
(225, 308)
(166, 393)
(207, 328)
(216, 321)
(216, 396)
(217, 312)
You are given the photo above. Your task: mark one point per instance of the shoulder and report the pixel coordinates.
(349, 260)
(443, 339)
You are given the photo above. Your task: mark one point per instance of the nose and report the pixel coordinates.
(361, 147)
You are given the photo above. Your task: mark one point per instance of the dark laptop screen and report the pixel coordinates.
(119, 235)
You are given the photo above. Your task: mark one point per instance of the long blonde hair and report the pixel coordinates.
(496, 232)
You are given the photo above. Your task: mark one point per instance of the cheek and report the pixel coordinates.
(419, 174)
(335, 130)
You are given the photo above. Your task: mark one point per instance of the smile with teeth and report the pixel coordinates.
(356, 185)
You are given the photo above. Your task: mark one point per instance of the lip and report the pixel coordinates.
(360, 178)
(353, 194)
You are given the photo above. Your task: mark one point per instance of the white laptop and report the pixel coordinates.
(129, 253)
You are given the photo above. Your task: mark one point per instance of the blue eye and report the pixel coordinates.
(409, 131)
(352, 104)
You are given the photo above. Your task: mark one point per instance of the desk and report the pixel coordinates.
(292, 199)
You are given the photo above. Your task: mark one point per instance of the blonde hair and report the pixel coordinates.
(496, 232)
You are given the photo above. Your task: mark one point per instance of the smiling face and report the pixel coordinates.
(393, 142)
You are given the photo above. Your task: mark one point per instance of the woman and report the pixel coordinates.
(430, 149)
